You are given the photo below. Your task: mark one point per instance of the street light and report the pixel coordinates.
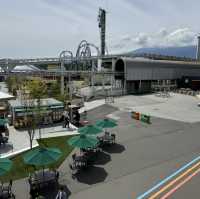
(64, 55)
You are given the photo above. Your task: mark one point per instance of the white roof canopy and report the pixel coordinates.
(5, 96)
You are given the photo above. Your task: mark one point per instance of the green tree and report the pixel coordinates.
(14, 83)
(37, 90)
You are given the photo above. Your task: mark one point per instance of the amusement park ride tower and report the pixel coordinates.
(102, 29)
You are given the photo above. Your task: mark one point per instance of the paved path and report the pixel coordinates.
(21, 188)
(145, 155)
(177, 107)
(19, 139)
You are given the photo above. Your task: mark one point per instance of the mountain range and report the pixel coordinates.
(185, 51)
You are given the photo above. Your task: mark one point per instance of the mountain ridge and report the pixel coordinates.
(184, 51)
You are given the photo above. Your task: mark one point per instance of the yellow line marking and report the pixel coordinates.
(174, 181)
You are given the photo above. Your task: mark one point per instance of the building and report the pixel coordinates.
(140, 74)
(50, 111)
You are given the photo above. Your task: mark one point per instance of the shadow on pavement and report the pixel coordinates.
(92, 175)
(116, 148)
(51, 192)
(6, 148)
(102, 158)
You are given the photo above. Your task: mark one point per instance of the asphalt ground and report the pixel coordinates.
(145, 154)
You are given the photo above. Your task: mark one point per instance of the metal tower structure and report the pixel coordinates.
(198, 48)
(102, 27)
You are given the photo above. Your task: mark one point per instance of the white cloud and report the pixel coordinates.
(45, 27)
(162, 38)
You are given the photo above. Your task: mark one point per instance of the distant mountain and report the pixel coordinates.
(186, 51)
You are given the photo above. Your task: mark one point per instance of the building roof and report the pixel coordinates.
(44, 102)
(146, 60)
(25, 68)
(5, 96)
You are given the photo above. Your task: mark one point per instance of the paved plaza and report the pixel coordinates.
(176, 107)
(145, 154)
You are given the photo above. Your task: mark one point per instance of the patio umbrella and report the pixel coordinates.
(82, 141)
(42, 156)
(5, 165)
(106, 123)
(90, 130)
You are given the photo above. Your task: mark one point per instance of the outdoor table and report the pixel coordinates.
(106, 139)
(4, 194)
(3, 140)
(80, 160)
(43, 178)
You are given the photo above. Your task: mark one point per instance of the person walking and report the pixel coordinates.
(67, 121)
(61, 194)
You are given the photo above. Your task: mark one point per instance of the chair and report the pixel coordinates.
(8, 187)
(113, 136)
(107, 136)
(74, 156)
(73, 169)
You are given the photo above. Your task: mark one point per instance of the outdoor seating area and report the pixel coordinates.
(43, 178)
(6, 191)
(90, 145)
(4, 132)
(106, 139)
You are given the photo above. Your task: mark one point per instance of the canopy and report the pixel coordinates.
(5, 96)
(82, 141)
(5, 166)
(3, 122)
(42, 156)
(106, 123)
(90, 130)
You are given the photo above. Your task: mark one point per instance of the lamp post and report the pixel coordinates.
(64, 55)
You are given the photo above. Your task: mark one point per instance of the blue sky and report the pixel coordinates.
(43, 28)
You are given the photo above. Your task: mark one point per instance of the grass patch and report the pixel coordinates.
(21, 170)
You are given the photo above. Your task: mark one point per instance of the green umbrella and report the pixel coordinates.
(82, 141)
(5, 165)
(90, 130)
(106, 123)
(42, 156)
(3, 122)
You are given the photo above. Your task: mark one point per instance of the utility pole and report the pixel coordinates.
(64, 55)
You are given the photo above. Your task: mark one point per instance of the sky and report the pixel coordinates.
(43, 28)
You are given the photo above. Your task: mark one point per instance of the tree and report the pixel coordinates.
(29, 117)
(14, 83)
(54, 89)
(31, 94)
(37, 90)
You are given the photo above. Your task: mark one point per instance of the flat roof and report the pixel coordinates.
(44, 102)
(5, 96)
(147, 60)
